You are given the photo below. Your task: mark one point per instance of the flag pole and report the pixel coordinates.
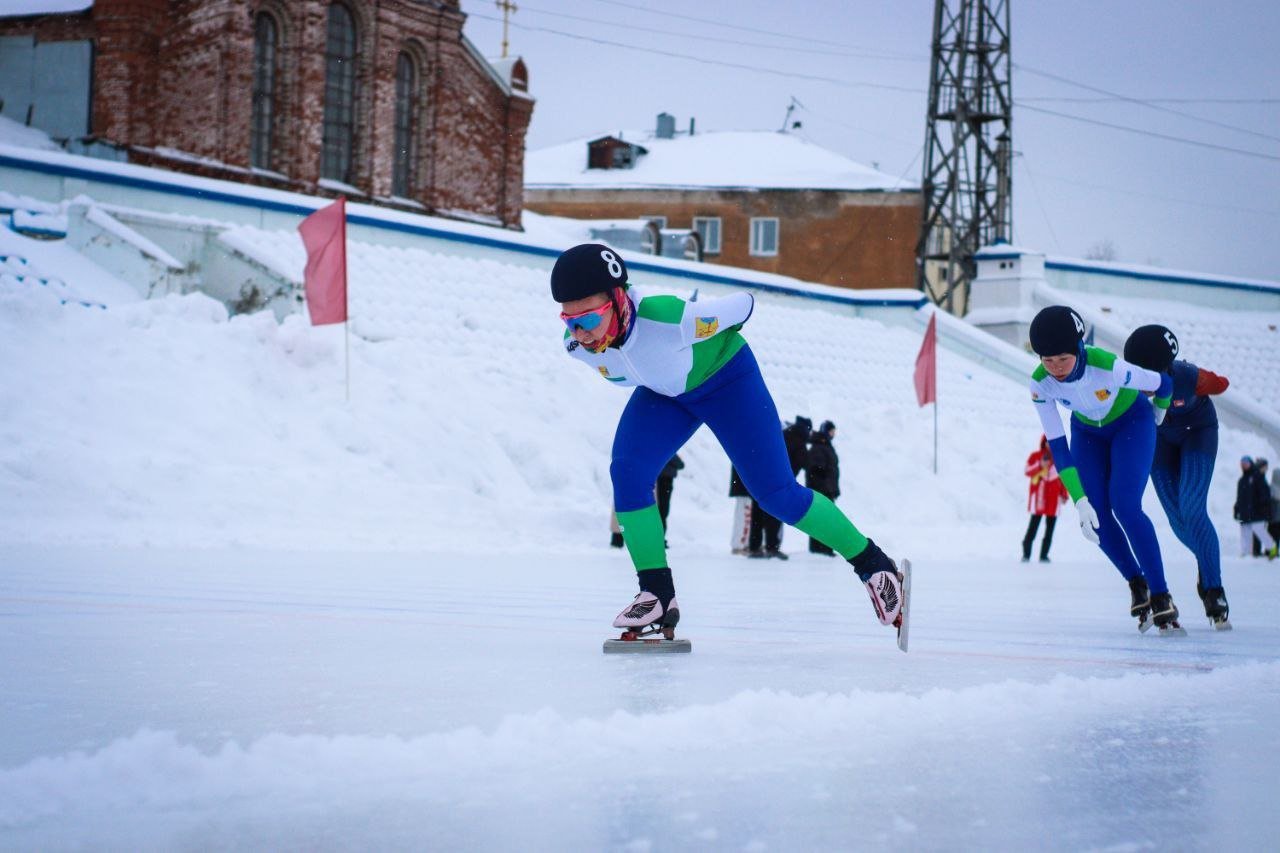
(346, 347)
(935, 433)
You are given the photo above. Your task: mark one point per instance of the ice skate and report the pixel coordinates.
(889, 586)
(647, 626)
(1140, 605)
(1215, 607)
(1164, 613)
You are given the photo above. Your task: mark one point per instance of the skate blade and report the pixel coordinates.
(1173, 630)
(1224, 625)
(1145, 623)
(904, 617)
(646, 645)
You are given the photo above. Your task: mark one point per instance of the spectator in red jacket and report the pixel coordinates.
(1046, 494)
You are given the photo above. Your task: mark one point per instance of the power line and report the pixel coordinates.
(1122, 191)
(1148, 104)
(774, 33)
(1150, 133)
(1105, 100)
(849, 52)
(849, 84)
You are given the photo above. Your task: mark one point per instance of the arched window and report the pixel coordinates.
(404, 173)
(339, 96)
(266, 43)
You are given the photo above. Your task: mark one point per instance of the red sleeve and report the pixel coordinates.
(1208, 383)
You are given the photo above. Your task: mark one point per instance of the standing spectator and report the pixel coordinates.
(766, 529)
(666, 484)
(1260, 465)
(1186, 451)
(739, 540)
(796, 436)
(822, 473)
(1045, 495)
(1274, 527)
(1253, 509)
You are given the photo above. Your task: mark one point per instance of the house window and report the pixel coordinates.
(339, 96)
(404, 172)
(764, 236)
(660, 221)
(265, 47)
(708, 228)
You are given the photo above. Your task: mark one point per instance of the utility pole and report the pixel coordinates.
(967, 185)
(507, 8)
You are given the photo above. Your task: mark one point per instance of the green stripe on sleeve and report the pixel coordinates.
(1071, 479)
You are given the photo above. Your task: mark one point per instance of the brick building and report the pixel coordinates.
(761, 200)
(381, 100)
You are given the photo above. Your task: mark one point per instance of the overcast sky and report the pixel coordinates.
(1208, 73)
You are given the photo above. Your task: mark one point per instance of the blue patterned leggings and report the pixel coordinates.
(1181, 475)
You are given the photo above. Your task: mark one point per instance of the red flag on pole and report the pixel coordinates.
(324, 233)
(927, 365)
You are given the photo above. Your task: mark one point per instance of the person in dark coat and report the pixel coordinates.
(766, 530)
(822, 472)
(1253, 509)
(667, 484)
(796, 436)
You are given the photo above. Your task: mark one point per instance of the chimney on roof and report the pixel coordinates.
(691, 125)
(666, 126)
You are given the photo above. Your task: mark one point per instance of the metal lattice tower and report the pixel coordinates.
(968, 146)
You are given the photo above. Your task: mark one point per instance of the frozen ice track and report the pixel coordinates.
(278, 698)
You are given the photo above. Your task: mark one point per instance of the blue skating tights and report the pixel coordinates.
(1114, 462)
(1181, 475)
(736, 405)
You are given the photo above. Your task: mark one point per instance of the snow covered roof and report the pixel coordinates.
(752, 159)
(505, 67)
(22, 8)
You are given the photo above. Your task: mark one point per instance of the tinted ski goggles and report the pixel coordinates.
(586, 320)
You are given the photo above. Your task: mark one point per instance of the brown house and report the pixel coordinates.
(381, 100)
(760, 200)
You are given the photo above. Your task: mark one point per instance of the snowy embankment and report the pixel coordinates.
(168, 423)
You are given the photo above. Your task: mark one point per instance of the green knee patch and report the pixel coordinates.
(825, 522)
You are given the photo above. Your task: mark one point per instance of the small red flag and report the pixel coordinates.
(324, 233)
(927, 365)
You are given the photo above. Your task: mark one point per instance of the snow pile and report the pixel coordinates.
(547, 775)
(13, 133)
(167, 422)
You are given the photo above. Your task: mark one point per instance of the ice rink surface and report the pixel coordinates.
(165, 699)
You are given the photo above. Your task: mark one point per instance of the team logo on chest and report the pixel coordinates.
(604, 371)
(705, 327)
(1102, 394)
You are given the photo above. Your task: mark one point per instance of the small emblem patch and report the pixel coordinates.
(705, 327)
(1102, 394)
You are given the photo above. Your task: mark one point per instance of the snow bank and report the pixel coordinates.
(535, 776)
